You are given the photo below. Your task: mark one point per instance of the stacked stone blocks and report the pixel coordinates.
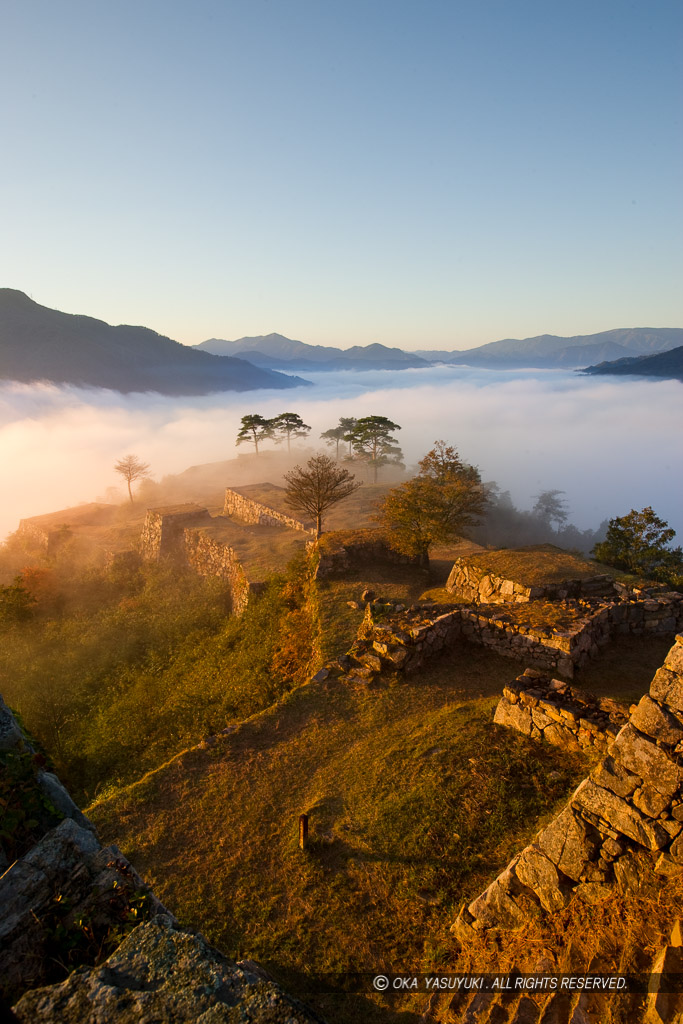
(622, 827)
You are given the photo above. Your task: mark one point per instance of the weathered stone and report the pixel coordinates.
(566, 842)
(651, 719)
(665, 1007)
(540, 719)
(10, 733)
(592, 892)
(560, 737)
(667, 867)
(161, 974)
(514, 716)
(537, 872)
(496, 908)
(320, 676)
(60, 799)
(641, 756)
(634, 873)
(612, 775)
(649, 801)
(616, 812)
(674, 659)
(676, 849)
(667, 687)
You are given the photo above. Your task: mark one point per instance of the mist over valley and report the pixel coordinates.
(611, 445)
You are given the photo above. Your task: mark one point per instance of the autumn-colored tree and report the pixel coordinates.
(254, 429)
(289, 425)
(371, 442)
(638, 543)
(317, 486)
(435, 506)
(131, 469)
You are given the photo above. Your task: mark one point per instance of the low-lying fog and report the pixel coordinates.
(611, 444)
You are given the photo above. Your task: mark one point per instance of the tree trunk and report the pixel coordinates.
(318, 525)
(130, 493)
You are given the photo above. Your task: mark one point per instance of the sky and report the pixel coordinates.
(420, 173)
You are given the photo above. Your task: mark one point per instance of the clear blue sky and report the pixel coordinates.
(432, 173)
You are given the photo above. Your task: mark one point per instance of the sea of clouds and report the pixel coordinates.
(611, 444)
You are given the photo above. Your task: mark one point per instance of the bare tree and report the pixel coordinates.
(317, 487)
(131, 469)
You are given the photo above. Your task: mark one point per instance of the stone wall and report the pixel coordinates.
(355, 554)
(390, 640)
(163, 530)
(209, 557)
(622, 828)
(250, 511)
(474, 584)
(552, 710)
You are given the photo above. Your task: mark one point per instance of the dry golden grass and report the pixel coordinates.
(537, 564)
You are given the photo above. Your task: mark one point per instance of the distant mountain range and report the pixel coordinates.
(280, 353)
(546, 351)
(37, 343)
(664, 364)
(41, 344)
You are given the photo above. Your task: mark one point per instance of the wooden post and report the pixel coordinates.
(303, 831)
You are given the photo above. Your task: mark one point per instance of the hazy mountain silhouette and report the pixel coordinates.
(37, 343)
(550, 350)
(663, 364)
(280, 353)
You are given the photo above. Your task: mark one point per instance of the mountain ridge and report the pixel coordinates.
(42, 344)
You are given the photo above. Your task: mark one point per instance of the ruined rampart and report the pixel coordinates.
(338, 555)
(402, 640)
(250, 511)
(621, 828)
(557, 713)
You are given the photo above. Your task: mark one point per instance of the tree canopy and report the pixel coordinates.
(335, 435)
(317, 486)
(255, 429)
(435, 506)
(637, 543)
(371, 442)
(131, 469)
(551, 508)
(289, 425)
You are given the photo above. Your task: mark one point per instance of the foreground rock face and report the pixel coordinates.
(623, 826)
(68, 901)
(162, 974)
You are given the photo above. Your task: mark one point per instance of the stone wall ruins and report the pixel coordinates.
(402, 640)
(250, 511)
(474, 584)
(357, 554)
(620, 828)
(562, 715)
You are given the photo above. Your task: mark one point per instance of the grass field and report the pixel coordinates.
(414, 799)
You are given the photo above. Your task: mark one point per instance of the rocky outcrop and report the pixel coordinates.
(66, 903)
(163, 974)
(562, 715)
(250, 511)
(622, 827)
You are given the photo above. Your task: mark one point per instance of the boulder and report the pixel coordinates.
(162, 974)
(651, 719)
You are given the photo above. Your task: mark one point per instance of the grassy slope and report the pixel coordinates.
(400, 835)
